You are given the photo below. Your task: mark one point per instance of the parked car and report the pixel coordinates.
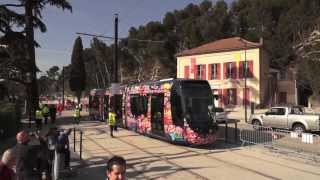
(291, 118)
(221, 115)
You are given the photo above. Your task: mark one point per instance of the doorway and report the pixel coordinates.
(157, 114)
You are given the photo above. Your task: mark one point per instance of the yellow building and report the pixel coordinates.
(223, 64)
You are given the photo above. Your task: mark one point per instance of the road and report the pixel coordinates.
(149, 158)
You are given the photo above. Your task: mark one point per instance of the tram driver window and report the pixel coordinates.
(176, 109)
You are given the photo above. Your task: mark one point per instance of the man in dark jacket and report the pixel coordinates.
(24, 158)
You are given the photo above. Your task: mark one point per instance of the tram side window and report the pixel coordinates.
(139, 105)
(176, 109)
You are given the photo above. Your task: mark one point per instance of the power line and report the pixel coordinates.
(109, 37)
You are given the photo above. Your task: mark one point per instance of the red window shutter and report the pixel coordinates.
(204, 72)
(250, 74)
(193, 64)
(220, 97)
(234, 70)
(209, 71)
(246, 100)
(186, 72)
(241, 75)
(235, 96)
(225, 66)
(224, 96)
(218, 71)
(195, 71)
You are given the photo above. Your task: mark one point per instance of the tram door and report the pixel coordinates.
(157, 113)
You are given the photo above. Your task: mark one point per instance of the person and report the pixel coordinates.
(60, 108)
(45, 113)
(63, 146)
(116, 168)
(77, 115)
(39, 117)
(52, 112)
(6, 164)
(112, 121)
(52, 140)
(24, 158)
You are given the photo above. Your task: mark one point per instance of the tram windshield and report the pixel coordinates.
(197, 97)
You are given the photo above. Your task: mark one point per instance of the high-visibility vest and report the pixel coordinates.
(39, 114)
(112, 119)
(77, 113)
(45, 110)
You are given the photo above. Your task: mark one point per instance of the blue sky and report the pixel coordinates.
(95, 16)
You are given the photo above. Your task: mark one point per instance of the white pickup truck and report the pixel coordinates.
(292, 118)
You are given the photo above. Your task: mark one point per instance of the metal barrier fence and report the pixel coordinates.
(75, 141)
(267, 136)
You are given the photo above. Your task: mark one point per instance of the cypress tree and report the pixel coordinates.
(77, 79)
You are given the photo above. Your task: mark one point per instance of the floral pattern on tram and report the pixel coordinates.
(142, 123)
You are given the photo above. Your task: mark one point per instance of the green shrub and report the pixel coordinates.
(10, 116)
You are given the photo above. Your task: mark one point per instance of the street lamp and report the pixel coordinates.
(63, 87)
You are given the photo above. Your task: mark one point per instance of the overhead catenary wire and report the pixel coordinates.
(109, 37)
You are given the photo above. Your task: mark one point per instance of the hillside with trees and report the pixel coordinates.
(280, 23)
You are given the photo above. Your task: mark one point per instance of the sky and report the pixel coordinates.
(96, 17)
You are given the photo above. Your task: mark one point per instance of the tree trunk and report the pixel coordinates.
(34, 97)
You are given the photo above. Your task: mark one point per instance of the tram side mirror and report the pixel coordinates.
(210, 107)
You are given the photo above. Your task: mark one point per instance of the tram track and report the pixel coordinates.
(205, 154)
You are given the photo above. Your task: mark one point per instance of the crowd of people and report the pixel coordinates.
(33, 162)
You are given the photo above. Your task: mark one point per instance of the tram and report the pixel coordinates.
(175, 110)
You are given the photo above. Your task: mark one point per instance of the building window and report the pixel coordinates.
(214, 71)
(230, 70)
(200, 72)
(246, 66)
(231, 97)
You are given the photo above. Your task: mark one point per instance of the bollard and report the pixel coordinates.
(80, 145)
(74, 139)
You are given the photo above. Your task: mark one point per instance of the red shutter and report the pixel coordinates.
(220, 97)
(209, 71)
(250, 74)
(225, 65)
(218, 71)
(235, 96)
(224, 96)
(195, 71)
(247, 99)
(193, 63)
(234, 70)
(186, 72)
(241, 69)
(204, 72)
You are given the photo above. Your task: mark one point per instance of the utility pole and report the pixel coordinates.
(245, 82)
(115, 84)
(63, 87)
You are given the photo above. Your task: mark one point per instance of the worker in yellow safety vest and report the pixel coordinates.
(77, 115)
(112, 121)
(45, 113)
(39, 117)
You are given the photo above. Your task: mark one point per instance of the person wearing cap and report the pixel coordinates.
(24, 157)
(6, 164)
